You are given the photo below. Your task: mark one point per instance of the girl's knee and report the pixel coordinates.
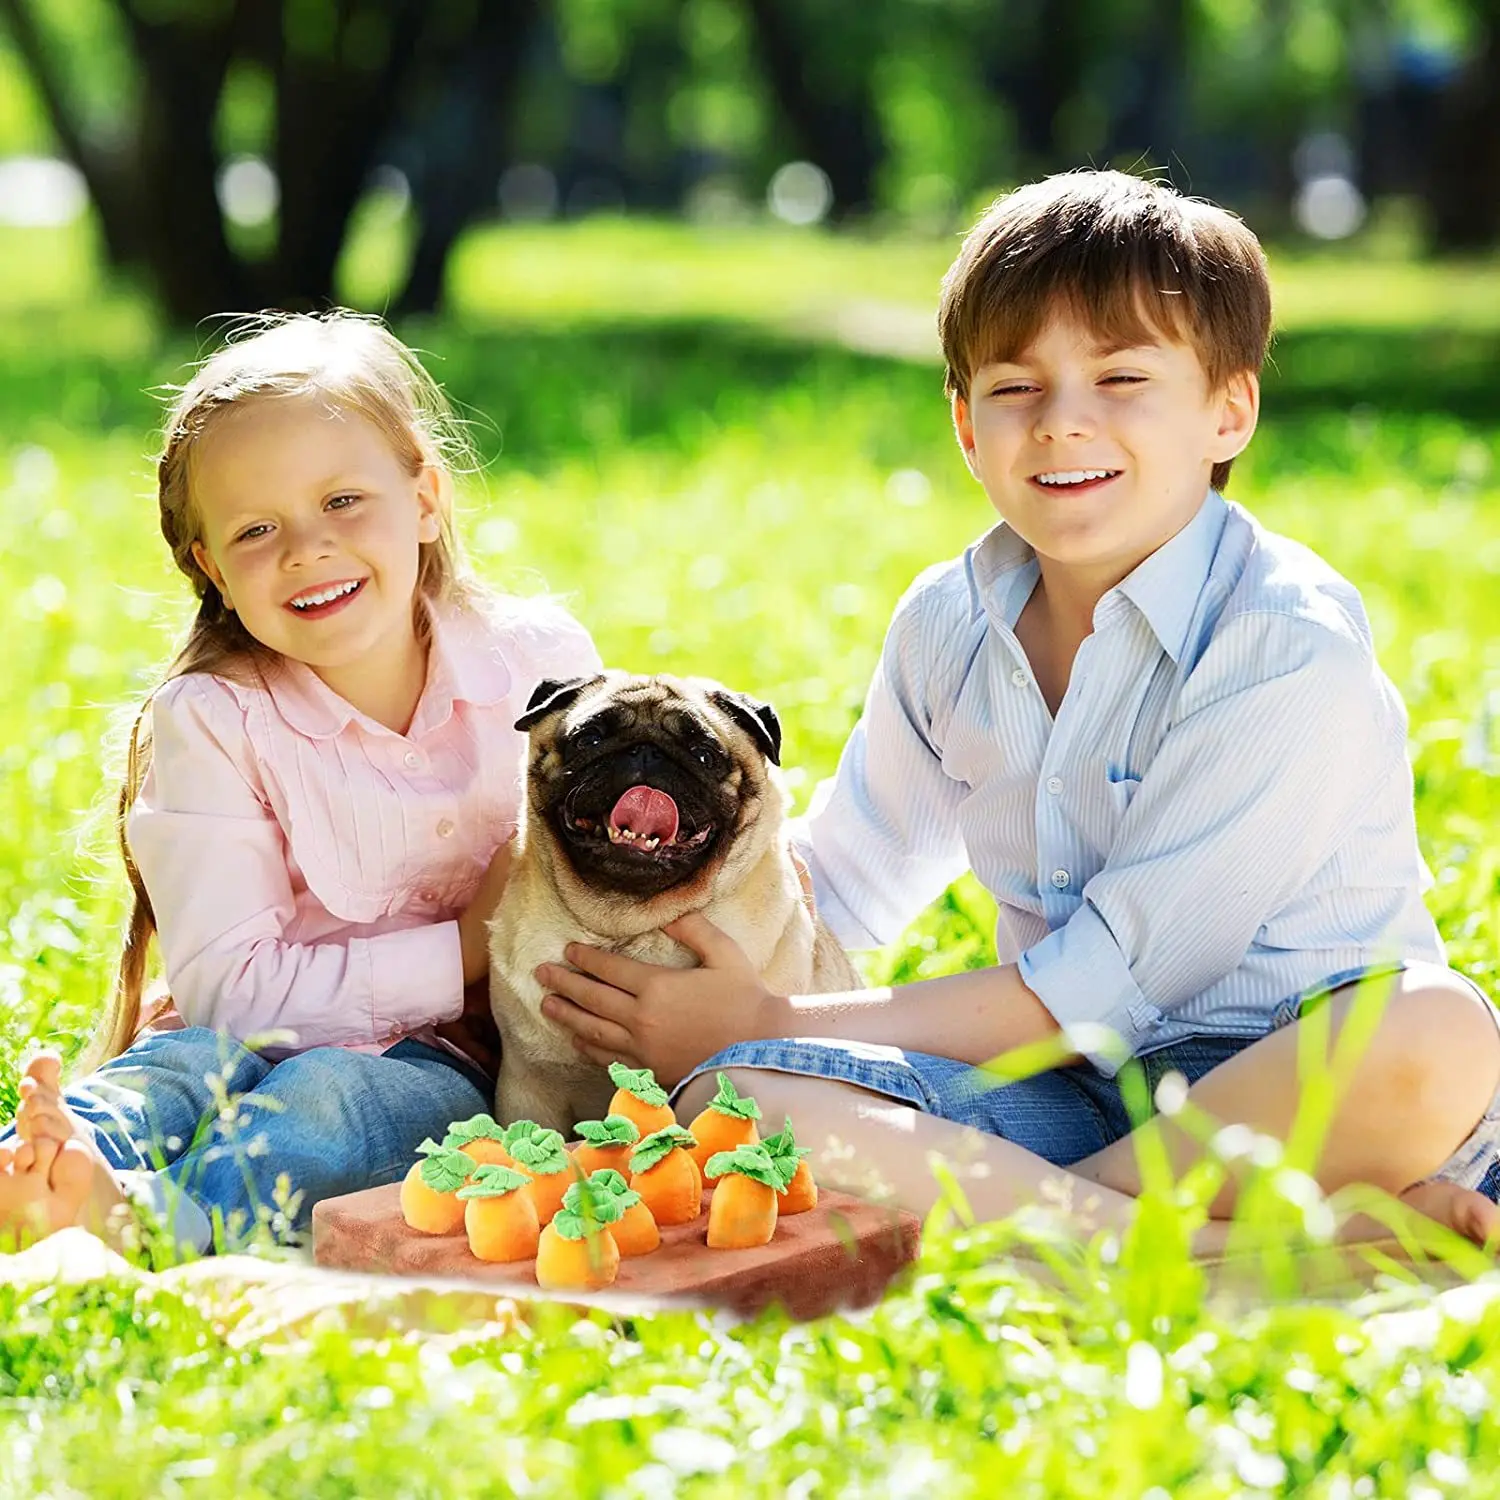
(326, 1089)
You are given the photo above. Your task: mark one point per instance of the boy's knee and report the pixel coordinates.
(695, 1097)
(1439, 1051)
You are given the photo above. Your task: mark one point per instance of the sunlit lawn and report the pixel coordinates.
(677, 445)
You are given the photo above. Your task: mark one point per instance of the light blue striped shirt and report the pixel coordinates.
(1219, 818)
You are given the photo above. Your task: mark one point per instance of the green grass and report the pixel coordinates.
(677, 445)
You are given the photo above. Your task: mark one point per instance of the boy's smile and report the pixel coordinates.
(1097, 455)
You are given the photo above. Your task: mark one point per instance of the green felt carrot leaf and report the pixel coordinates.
(729, 1101)
(541, 1151)
(748, 1161)
(586, 1209)
(638, 1081)
(611, 1182)
(612, 1130)
(493, 1181)
(655, 1148)
(446, 1168)
(784, 1151)
(475, 1128)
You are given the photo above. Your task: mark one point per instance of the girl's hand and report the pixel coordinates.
(473, 921)
(646, 1016)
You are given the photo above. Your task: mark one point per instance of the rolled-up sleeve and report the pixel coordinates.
(881, 839)
(214, 862)
(1253, 790)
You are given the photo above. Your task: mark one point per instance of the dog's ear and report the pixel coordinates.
(757, 718)
(551, 695)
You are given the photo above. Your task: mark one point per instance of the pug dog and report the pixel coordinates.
(646, 798)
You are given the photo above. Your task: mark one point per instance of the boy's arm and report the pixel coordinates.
(1249, 796)
(1246, 799)
(881, 839)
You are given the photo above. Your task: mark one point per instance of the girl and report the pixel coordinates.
(315, 815)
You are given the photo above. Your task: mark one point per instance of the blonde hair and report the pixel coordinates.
(354, 363)
(1122, 254)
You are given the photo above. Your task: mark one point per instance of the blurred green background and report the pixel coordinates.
(705, 392)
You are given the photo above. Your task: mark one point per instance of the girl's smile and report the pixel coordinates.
(318, 603)
(311, 529)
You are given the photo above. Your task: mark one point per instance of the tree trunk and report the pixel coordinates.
(332, 114)
(465, 146)
(1463, 198)
(832, 116)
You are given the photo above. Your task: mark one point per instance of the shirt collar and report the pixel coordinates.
(1167, 586)
(464, 665)
(1003, 571)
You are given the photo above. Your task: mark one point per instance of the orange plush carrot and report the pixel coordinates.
(576, 1251)
(427, 1191)
(640, 1098)
(605, 1143)
(729, 1121)
(635, 1230)
(743, 1211)
(481, 1137)
(539, 1153)
(499, 1214)
(666, 1177)
(798, 1190)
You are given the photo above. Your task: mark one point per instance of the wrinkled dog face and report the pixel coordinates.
(646, 784)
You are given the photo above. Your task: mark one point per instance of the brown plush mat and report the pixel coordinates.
(840, 1254)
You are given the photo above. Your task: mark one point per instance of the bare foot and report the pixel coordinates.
(52, 1175)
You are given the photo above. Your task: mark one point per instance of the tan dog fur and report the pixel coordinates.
(748, 887)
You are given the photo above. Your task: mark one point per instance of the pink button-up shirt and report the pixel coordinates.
(306, 864)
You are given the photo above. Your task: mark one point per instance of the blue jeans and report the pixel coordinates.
(1062, 1115)
(200, 1127)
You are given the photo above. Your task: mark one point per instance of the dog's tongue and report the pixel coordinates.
(646, 812)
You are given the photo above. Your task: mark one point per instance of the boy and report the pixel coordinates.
(1156, 732)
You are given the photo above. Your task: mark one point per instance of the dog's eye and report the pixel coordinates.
(706, 756)
(587, 739)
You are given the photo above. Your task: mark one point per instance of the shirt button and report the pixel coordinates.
(1020, 677)
(1060, 879)
(445, 828)
(412, 759)
(1054, 784)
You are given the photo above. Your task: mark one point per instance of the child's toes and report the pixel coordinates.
(46, 1069)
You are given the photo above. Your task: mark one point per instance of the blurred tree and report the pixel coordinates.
(820, 59)
(342, 76)
(1463, 179)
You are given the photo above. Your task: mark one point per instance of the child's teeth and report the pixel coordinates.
(327, 597)
(1073, 476)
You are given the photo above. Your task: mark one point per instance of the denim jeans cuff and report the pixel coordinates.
(183, 1217)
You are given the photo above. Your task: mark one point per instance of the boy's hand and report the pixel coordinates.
(647, 1016)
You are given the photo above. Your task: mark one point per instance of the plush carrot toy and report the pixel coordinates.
(427, 1191)
(576, 1251)
(539, 1153)
(605, 1143)
(499, 1214)
(727, 1122)
(743, 1211)
(640, 1098)
(798, 1190)
(635, 1230)
(667, 1177)
(481, 1137)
